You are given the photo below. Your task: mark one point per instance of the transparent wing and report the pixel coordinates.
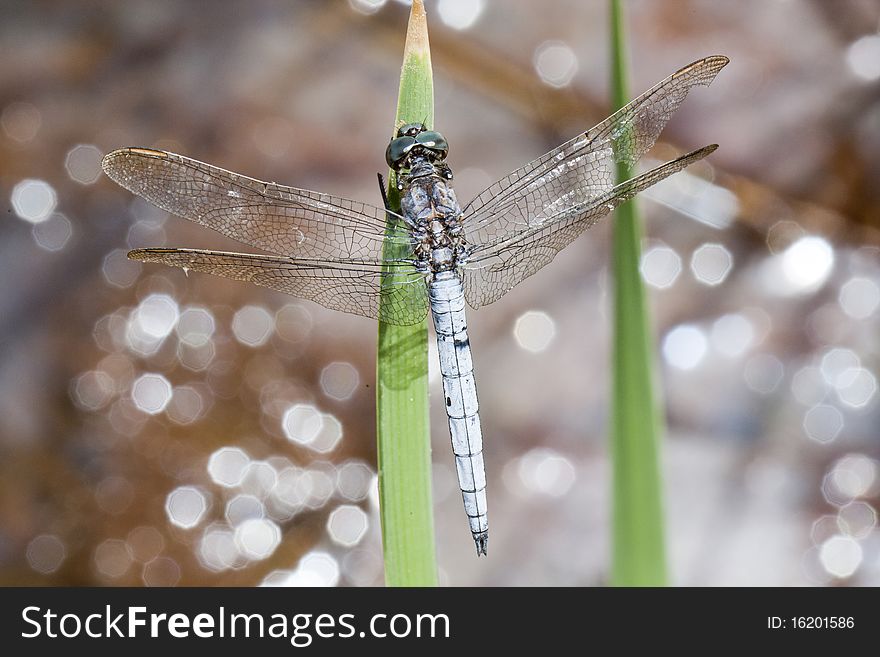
(583, 167)
(353, 287)
(271, 217)
(494, 270)
(527, 216)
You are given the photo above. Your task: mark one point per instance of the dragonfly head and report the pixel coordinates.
(413, 139)
(411, 129)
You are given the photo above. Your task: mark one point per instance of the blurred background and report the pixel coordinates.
(159, 429)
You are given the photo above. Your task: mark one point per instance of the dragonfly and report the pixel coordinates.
(432, 256)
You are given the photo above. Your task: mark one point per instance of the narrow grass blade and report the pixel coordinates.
(404, 438)
(638, 549)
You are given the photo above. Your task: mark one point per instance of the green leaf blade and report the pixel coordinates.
(403, 427)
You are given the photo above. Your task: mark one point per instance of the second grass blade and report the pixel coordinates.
(638, 548)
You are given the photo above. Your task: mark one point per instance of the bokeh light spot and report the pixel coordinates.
(347, 525)
(253, 325)
(823, 423)
(732, 335)
(151, 393)
(763, 373)
(156, 315)
(555, 63)
(195, 326)
(854, 475)
(258, 538)
(354, 479)
(856, 387)
(835, 362)
(807, 263)
(317, 568)
(711, 264)
(259, 479)
(302, 423)
(859, 297)
(367, 6)
(186, 506)
(808, 385)
(244, 507)
(196, 358)
(293, 323)
(45, 553)
(150, 323)
(362, 567)
(161, 571)
(857, 519)
(840, 556)
(114, 494)
(685, 346)
(21, 121)
(119, 270)
(186, 405)
(227, 466)
(112, 558)
(783, 234)
(339, 380)
(218, 550)
(34, 200)
(316, 486)
(660, 266)
(545, 471)
(83, 163)
(534, 330)
(93, 390)
(53, 233)
(460, 14)
(145, 543)
(863, 57)
(329, 435)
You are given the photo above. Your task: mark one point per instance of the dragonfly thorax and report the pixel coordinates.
(430, 207)
(442, 259)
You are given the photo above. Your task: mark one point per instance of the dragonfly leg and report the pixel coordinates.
(387, 205)
(383, 192)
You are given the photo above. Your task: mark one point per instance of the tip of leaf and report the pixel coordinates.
(417, 30)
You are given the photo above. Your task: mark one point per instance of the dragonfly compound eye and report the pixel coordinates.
(397, 151)
(435, 142)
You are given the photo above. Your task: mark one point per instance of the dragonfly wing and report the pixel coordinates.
(584, 167)
(493, 269)
(353, 286)
(268, 216)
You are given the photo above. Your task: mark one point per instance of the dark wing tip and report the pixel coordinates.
(688, 158)
(704, 69)
(713, 63)
(113, 157)
(149, 255)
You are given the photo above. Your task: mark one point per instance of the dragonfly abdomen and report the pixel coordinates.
(460, 398)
